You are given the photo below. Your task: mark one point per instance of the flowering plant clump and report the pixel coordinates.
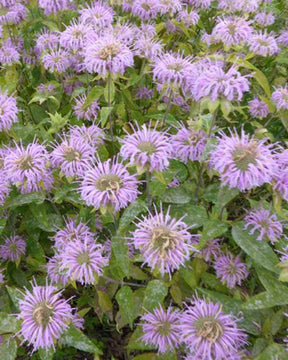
(143, 180)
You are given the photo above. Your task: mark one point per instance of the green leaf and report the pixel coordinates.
(8, 350)
(104, 114)
(109, 86)
(155, 356)
(75, 338)
(135, 342)
(46, 354)
(119, 261)
(15, 295)
(155, 293)
(94, 94)
(24, 199)
(259, 251)
(124, 298)
(8, 323)
(194, 215)
(2, 225)
(131, 212)
(212, 229)
(274, 351)
(176, 195)
(225, 195)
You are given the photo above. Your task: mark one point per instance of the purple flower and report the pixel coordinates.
(242, 161)
(258, 108)
(171, 70)
(144, 93)
(45, 88)
(264, 19)
(215, 83)
(56, 60)
(209, 333)
(47, 40)
(9, 53)
(188, 17)
(211, 250)
(230, 269)
(45, 316)
(281, 175)
(169, 6)
(1, 276)
(145, 30)
(14, 247)
(147, 148)
(8, 111)
(53, 6)
(148, 48)
(74, 36)
(239, 5)
(162, 329)
(263, 44)
(265, 224)
(78, 321)
(4, 187)
(53, 270)
(164, 242)
(201, 4)
(107, 54)
(92, 135)
(88, 113)
(283, 38)
(145, 9)
(98, 15)
(188, 144)
(28, 168)
(83, 261)
(72, 232)
(108, 184)
(232, 31)
(72, 156)
(280, 97)
(13, 14)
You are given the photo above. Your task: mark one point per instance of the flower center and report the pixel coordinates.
(83, 258)
(232, 268)
(13, 248)
(232, 28)
(163, 240)
(111, 183)
(147, 147)
(71, 154)
(25, 162)
(146, 7)
(192, 139)
(209, 329)
(43, 314)
(164, 328)
(177, 66)
(108, 51)
(245, 155)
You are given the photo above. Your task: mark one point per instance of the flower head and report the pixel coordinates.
(88, 113)
(147, 48)
(188, 17)
(280, 97)
(14, 247)
(83, 261)
(144, 93)
(74, 36)
(209, 333)
(281, 175)
(47, 40)
(232, 31)
(264, 18)
(164, 242)
(230, 269)
(242, 161)
(258, 108)
(9, 53)
(201, 4)
(108, 184)
(263, 44)
(8, 111)
(98, 15)
(53, 270)
(92, 135)
(188, 144)
(27, 167)
(162, 329)
(145, 9)
(211, 250)
(283, 38)
(169, 6)
(72, 156)
(56, 60)
(45, 316)
(4, 187)
(147, 148)
(265, 224)
(53, 6)
(107, 54)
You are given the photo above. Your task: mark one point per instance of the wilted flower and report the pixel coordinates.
(53, 270)
(232, 31)
(73, 157)
(162, 329)
(264, 19)
(215, 83)
(8, 111)
(56, 60)
(258, 108)
(53, 6)
(230, 269)
(28, 168)
(242, 161)
(107, 54)
(45, 316)
(263, 44)
(265, 224)
(280, 97)
(14, 247)
(92, 135)
(209, 333)
(83, 261)
(188, 144)
(164, 242)
(99, 15)
(147, 148)
(108, 184)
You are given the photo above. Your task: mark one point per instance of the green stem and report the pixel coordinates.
(148, 194)
(115, 222)
(167, 110)
(109, 105)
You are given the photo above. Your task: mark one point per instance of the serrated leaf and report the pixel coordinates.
(119, 260)
(8, 349)
(8, 323)
(104, 115)
(124, 298)
(176, 195)
(194, 215)
(131, 212)
(212, 229)
(274, 351)
(259, 251)
(75, 338)
(155, 293)
(93, 95)
(24, 199)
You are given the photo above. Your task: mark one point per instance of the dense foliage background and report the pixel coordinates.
(60, 83)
